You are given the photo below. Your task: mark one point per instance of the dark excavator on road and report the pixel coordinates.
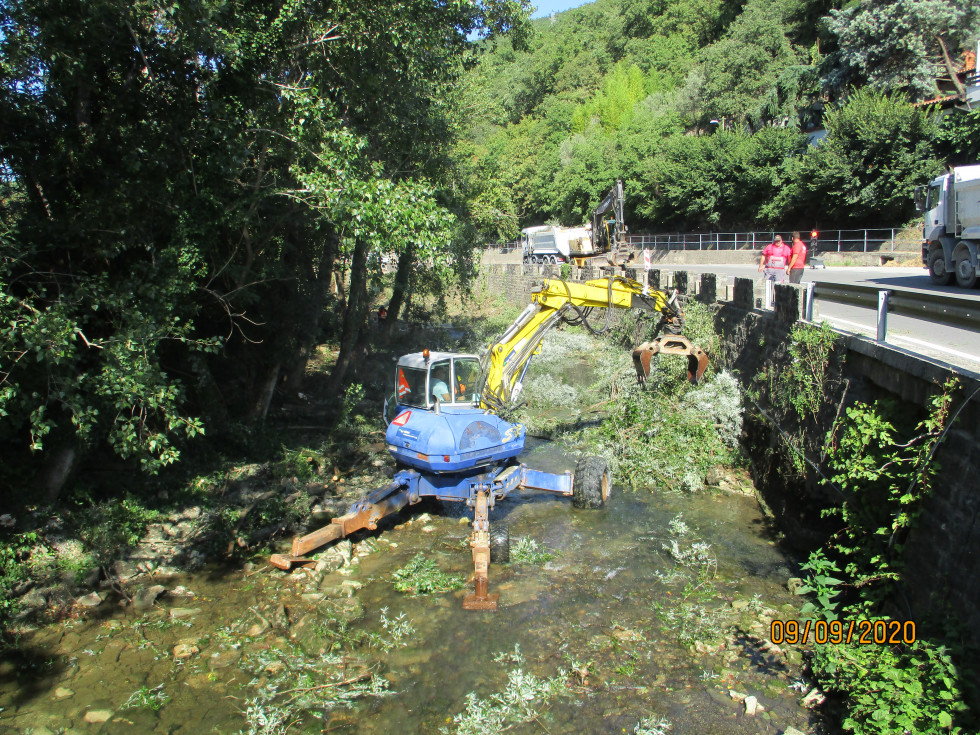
(609, 227)
(449, 441)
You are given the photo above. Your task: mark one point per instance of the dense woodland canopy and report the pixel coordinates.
(702, 107)
(193, 194)
(182, 183)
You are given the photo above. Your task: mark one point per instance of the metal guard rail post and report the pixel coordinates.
(938, 308)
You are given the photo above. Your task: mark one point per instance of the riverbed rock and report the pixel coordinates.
(793, 584)
(752, 706)
(92, 599)
(145, 597)
(125, 570)
(185, 650)
(97, 716)
(63, 693)
(792, 731)
(814, 698)
(178, 613)
(224, 658)
(336, 557)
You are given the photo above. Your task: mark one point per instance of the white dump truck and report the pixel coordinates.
(548, 244)
(951, 231)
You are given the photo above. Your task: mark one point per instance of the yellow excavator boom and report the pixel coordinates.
(555, 300)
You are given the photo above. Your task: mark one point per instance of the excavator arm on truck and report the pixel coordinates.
(609, 232)
(506, 361)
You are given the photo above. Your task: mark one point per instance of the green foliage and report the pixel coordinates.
(14, 571)
(799, 384)
(421, 576)
(885, 476)
(667, 434)
(520, 701)
(173, 222)
(898, 45)
(699, 106)
(109, 528)
(877, 149)
(959, 137)
(152, 699)
(527, 551)
(903, 687)
(893, 689)
(823, 582)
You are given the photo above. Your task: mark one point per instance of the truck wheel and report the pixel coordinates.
(966, 274)
(499, 543)
(937, 269)
(591, 485)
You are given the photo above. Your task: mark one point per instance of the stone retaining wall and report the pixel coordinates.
(943, 551)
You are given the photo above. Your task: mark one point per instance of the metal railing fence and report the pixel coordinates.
(940, 308)
(840, 241)
(853, 241)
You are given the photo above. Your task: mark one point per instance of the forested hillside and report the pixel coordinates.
(702, 107)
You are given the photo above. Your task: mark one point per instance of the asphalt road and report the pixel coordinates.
(952, 345)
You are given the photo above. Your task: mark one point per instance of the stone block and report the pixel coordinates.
(789, 302)
(744, 293)
(709, 288)
(681, 281)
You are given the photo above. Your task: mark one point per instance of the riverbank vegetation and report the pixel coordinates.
(876, 469)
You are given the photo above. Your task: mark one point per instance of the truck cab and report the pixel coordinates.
(951, 226)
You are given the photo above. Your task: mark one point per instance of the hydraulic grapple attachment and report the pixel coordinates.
(670, 344)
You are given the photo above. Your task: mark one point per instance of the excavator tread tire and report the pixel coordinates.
(499, 543)
(592, 483)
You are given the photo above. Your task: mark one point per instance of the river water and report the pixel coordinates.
(654, 609)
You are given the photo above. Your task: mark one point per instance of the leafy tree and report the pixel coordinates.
(154, 223)
(877, 149)
(899, 44)
(959, 137)
(747, 63)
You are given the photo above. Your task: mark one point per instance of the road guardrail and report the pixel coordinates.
(953, 311)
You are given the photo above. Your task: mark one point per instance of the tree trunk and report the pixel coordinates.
(949, 67)
(320, 275)
(261, 408)
(354, 314)
(56, 472)
(399, 291)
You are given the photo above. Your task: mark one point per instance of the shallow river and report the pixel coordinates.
(643, 623)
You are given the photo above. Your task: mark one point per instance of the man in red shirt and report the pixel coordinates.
(797, 259)
(775, 258)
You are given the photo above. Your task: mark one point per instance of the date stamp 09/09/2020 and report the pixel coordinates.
(860, 632)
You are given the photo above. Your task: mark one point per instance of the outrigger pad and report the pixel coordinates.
(288, 561)
(488, 602)
(479, 599)
(670, 344)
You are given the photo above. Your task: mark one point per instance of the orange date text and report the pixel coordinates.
(859, 632)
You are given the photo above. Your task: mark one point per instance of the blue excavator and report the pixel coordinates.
(449, 440)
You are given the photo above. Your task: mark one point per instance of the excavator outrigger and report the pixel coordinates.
(449, 441)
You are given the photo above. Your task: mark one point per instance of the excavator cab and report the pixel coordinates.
(431, 381)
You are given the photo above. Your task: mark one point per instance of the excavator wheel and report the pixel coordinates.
(592, 483)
